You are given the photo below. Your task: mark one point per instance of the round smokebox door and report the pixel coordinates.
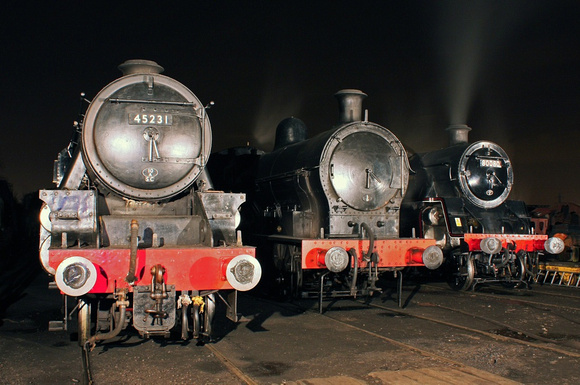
(361, 171)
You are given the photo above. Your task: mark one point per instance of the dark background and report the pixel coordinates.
(509, 69)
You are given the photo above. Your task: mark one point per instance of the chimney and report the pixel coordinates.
(458, 134)
(350, 105)
(140, 66)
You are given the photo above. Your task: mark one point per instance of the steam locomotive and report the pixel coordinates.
(134, 230)
(458, 196)
(324, 212)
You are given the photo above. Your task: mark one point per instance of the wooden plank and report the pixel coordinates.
(337, 380)
(425, 376)
(441, 376)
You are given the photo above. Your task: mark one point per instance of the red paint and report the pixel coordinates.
(392, 252)
(526, 242)
(200, 268)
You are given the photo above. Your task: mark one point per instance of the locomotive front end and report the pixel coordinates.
(134, 222)
(331, 204)
(485, 174)
(146, 136)
(460, 195)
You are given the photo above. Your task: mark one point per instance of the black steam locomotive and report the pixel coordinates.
(324, 212)
(458, 196)
(134, 229)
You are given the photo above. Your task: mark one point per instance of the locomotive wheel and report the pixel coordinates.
(282, 282)
(297, 273)
(532, 263)
(289, 270)
(461, 275)
(84, 321)
(518, 272)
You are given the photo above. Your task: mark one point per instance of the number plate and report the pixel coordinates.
(495, 163)
(157, 119)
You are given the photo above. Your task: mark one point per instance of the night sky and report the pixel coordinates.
(509, 69)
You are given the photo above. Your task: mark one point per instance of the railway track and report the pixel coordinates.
(236, 371)
(364, 318)
(245, 378)
(520, 336)
(511, 334)
(523, 337)
(514, 296)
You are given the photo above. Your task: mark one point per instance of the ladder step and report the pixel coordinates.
(558, 277)
(56, 326)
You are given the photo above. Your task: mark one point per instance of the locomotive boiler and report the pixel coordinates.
(326, 209)
(134, 230)
(458, 196)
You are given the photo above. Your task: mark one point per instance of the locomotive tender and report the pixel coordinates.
(133, 229)
(458, 196)
(325, 210)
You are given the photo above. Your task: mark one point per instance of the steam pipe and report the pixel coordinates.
(122, 303)
(131, 278)
(371, 235)
(368, 256)
(523, 257)
(113, 333)
(504, 260)
(352, 253)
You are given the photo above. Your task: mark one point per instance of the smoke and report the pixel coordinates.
(281, 98)
(461, 43)
(470, 36)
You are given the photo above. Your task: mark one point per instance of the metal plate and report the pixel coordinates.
(70, 210)
(145, 323)
(361, 170)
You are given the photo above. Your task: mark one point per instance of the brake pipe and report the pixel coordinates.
(352, 253)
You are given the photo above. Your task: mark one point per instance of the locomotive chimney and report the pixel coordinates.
(458, 134)
(350, 105)
(140, 66)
